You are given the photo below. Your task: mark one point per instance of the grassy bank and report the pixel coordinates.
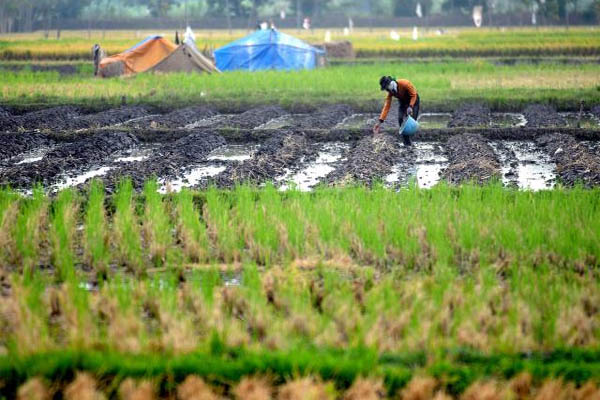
(225, 371)
(460, 284)
(465, 42)
(442, 86)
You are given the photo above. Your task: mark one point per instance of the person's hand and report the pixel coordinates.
(377, 128)
(409, 111)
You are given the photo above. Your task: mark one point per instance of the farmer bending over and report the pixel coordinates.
(408, 100)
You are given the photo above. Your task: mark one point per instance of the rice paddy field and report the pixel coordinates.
(247, 236)
(432, 42)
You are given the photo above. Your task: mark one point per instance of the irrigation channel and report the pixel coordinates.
(196, 147)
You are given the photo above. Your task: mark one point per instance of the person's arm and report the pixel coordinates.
(384, 113)
(386, 108)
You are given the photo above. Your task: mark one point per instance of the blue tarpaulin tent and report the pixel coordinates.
(267, 49)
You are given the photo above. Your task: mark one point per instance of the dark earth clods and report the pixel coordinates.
(89, 151)
(275, 155)
(540, 115)
(471, 115)
(371, 159)
(574, 161)
(471, 158)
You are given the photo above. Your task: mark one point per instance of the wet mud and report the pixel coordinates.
(274, 158)
(324, 118)
(168, 161)
(596, 111)
(7, 121)
(89, 151)
(575, 162)
(541, 115)
(250, 119)
(174, 119)
(470, 158)
(471, 115)
(330, 145)
(370, 160)
(66, 118)
(113, 116)
(525, 165)
(55, 118)
(14, 144)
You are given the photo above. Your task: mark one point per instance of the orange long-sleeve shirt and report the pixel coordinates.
(406, 93)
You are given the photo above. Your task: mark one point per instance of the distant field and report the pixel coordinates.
(466, 42)
(441, 85)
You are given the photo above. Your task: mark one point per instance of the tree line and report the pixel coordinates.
(22, 15)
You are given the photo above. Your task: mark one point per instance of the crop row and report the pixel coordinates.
(417, 228)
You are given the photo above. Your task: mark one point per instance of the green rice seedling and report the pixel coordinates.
(96, 246)
(9, 210)
(126, 231)
(254, 217)
(62, 233)
(191, 229)
(30, 230)
(157, 225)
(226, 241)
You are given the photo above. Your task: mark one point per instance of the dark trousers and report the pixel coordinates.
(402, 115)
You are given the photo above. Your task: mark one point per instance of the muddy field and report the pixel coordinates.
(198, 146)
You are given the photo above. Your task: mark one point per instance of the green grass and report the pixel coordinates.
(341, 368)
(442, 87)
(96, 235)
(421, 229)
(458, 283)
(62, 234)
(126, 229)
(157, 225)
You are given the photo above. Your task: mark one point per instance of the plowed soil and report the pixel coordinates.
(540, 115)
(575, 163)
(88, 151)
(471, 158)
(169, 161)
(471, 115)
(273, 158)
(371, 159)
(71, 142)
